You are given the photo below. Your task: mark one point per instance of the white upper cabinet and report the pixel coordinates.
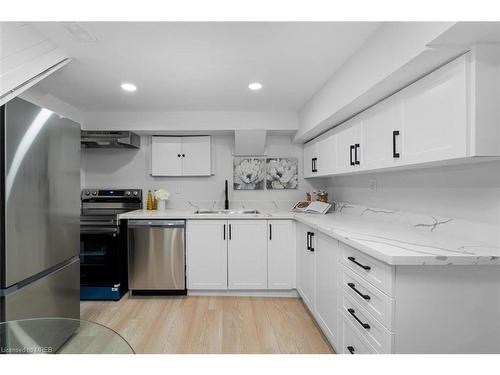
(166, 155)
(381, 126)
(327, 152)
(247, 254)
(349, 144)
(435, 115)
(196, 156)
(280, 254)
(181, 156)
(450, 114)
(311, 159)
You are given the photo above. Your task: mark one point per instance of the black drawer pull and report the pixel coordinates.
(311, 248)
(351, 349)
(394, 153)
(352, 259)
(351, 148)
(353, 287)
(356, 146)
(353, 313)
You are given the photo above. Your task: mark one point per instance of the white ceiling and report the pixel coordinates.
(200, 65)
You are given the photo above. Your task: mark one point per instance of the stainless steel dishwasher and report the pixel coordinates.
(156, 257)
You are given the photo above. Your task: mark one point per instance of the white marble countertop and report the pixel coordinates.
(190, 214)
(408, 240)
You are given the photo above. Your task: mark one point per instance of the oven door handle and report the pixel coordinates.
(100, 231)
(97, 222)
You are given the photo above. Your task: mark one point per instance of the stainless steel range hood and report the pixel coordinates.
(110, 139)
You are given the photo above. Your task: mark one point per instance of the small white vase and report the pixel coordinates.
(162, 204)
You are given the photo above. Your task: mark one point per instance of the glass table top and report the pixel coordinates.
(60, 336)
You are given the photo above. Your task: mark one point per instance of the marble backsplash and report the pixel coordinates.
(488, 233)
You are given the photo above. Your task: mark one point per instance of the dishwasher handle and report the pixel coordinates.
(156, 223)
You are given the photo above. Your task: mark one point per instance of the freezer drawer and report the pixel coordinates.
(54, 295)
(156, 256)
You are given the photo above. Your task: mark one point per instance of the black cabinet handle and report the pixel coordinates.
(178, 155)
(230, 232)
(351, 148)
(183, 155)
(224, 232)
(311, 248)
(270, 232)
(366, 268)
(308, 238)
(353, 313)
(351, 349)
(314, 166)
(395, 154)
(353, 287)
(356, 146)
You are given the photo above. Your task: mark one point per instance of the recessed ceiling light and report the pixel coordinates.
(255, 86)
(128, 87)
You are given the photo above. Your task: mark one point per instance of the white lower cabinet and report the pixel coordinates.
(247, 254)
(240, 254)
(206, 248)
(280, 248)
(325, 280)
(305, 264)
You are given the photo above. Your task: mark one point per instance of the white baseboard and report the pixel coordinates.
(245, 293)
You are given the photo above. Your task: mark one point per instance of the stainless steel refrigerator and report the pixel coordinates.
(39, 213)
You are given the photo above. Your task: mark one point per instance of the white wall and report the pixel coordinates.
(470, 192)
(131, 168)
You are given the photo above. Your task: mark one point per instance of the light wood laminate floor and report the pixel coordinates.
(210, 324)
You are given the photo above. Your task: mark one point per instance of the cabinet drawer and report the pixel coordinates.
(353, 341)
(378, 304)
(375, 272)
(372, 330)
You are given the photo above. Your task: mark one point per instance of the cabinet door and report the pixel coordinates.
(206, 247)
(326, 271)
(247, 254)
(348, 136)
(311, 159)
(381, 126)
(305, 266)
(327, 153)
(196, 156)
(435, 115)
(166, 156)
(279, 254)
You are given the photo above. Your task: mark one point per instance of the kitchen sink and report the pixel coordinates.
(227, 212)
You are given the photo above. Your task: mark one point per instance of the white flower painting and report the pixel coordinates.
(249, 174)
(282, 173)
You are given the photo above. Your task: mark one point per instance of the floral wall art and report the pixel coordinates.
(249, 173)
(282, 173)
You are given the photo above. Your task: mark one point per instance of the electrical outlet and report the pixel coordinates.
(373, 185)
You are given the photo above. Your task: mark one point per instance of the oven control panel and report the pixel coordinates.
(119, 194)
